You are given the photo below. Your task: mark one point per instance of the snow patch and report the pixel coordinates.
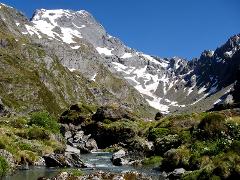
(126, 55)
(105, 51)
(32, 30)
(75, 47)
(93, 78)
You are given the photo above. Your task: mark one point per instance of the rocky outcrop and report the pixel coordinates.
(61, 160)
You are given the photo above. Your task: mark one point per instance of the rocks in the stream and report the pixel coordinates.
(40, 162)
(118, 158)
(176, 174)
(61, 160)
(76, 138)
(100, 175)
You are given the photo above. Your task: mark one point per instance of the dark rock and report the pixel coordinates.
(118, 158)
(158, 116)
(111, 113)
(60, 160)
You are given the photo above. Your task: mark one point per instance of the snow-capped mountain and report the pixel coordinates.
(167, 84)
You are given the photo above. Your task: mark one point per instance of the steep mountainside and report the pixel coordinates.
(40, 73)
(70, 57)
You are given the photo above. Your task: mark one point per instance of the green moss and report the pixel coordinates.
(153, 161)
(4, 167)
(155, 133)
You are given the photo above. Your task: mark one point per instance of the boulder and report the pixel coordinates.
(91, 144)
(166, 143)
(118, 158)
(112, 114)
(61, 160)
(40, 162)
(177, 173)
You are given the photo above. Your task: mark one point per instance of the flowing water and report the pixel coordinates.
(99, 161)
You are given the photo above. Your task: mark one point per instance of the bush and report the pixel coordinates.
(152, 161)
(155, 133)
(19, 122)
(212, 126)
(3, 166)
(44, 120)
(38, 133)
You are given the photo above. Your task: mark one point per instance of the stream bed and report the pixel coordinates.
(100, 161)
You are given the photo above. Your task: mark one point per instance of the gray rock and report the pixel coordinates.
(68, 134)
(118, 158)
(40, 162)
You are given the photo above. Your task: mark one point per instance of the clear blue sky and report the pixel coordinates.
(159, 27)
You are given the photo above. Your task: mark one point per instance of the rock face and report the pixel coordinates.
(72, 58)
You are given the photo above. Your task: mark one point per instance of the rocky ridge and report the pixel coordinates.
(167, 84)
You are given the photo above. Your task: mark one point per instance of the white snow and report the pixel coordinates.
(150, 58)
(79, 27)
(17, 23)
(72, 69)
(105, 51)
(202, 89)
(6, 5)
(218, 101)
(93, 78)
(75, 47)
(41, 19)
(32, 30)
(126, 55)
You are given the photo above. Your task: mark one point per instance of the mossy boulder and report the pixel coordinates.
(113, 133)
(155, 133)
(76, 114)
(176, 158)
(166, 143)
(213, 126)
(112, 113)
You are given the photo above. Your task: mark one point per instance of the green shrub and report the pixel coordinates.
(44, 120)
(212, 126)
(155, 133)
(19, 122)
(152, 161)
(38, 133)
(76, 172)
(3, 166)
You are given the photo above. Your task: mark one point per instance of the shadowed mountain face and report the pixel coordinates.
(74, 59)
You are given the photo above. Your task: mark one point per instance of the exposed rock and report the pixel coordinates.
(177, 173)
(60, 160)
(118, 158)
(111, 113)
(40, 162)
